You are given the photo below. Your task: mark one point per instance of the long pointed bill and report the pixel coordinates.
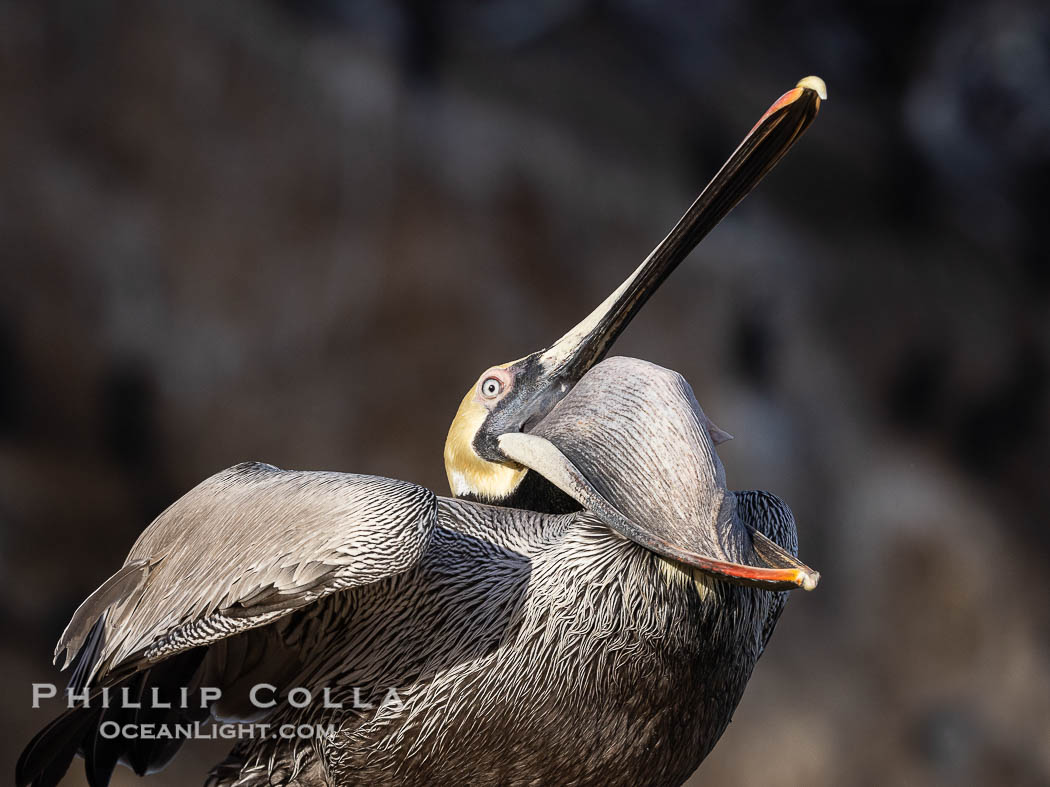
(775, 133)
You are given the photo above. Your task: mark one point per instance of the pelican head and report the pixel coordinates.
(513, 397)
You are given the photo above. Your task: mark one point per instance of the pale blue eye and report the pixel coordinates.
(491, 387)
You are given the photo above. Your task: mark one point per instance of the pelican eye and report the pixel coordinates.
(491, 387)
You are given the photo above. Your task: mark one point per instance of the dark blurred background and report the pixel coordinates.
(297, 231)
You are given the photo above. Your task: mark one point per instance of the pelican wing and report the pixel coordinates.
(243, 548)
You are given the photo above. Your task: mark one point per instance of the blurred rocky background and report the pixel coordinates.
(297, 231)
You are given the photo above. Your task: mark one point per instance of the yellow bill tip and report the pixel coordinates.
(816, 84)
(810, 580)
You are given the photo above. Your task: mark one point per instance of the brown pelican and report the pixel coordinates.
(587, 609)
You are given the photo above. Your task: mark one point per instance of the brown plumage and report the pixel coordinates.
(603, 637)
(525, 647)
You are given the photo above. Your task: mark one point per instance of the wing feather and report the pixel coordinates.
(245, 547)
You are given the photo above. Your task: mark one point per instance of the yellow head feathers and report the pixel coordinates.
(468, 473)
